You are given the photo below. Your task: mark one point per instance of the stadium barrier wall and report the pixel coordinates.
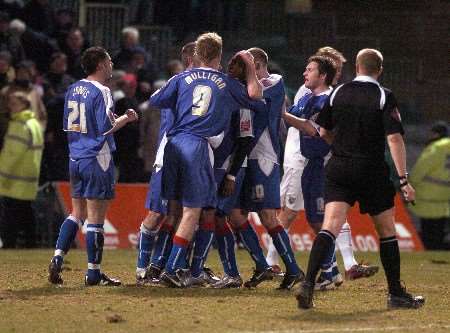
(127, 211)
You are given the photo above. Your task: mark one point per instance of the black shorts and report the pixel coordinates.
(366, 181)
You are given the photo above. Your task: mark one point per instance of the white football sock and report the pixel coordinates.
(344, 243)
(272, 255)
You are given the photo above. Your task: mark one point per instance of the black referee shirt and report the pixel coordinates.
(361, 113)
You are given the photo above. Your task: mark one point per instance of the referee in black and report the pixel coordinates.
(358, 119)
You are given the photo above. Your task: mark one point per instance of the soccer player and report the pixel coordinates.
(229, 160)
(318, 76)
(89, 121)
(363, 116)
(202, 100)
(152, 226)
(291, 188)
(262, 182)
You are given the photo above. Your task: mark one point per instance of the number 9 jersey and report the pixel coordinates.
(88, 114)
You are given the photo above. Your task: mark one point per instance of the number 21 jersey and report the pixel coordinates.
(88, 114)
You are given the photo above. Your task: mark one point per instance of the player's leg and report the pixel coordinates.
(291, 203)
(353, 269)
(67, 234)
(96, 212)
(335, 216)
(226, 248)
(149, 228)
(240, 223)
(390, 259)
(313, 183)
(147, 234)
(195, 187)
(280, 239)
(202, 243)
(71, 224)
(183, 236)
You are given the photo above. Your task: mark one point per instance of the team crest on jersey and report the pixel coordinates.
(291, 200)
(246, 125)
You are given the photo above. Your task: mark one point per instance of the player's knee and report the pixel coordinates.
(269, 219)
(152, 219)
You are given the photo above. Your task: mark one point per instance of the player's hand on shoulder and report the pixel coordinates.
(131, 115)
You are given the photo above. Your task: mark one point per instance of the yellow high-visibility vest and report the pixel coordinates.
(431, 180)
(20, 158)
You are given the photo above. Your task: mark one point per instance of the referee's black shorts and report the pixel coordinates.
(366, 181)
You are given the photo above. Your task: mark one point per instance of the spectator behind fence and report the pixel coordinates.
(23, 82)
(129, 41)
(8, 41)
(73, 46)
(144, 73)
(55, 158)
(127, 140)
(38, 46)
(20, 161)
(431, 178)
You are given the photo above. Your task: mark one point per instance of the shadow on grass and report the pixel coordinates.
(317, 315)
(144, 292)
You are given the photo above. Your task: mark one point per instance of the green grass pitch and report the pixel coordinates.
(29, 304)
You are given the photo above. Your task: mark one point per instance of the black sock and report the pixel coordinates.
(390, 258)
(323, 244)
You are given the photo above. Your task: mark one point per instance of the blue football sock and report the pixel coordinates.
(177, 256)
(163, 246)
(67, 234)
(146, 238)
(251, 243)
(94, 247)
(281, 242)
(202, 242)
(225, 243)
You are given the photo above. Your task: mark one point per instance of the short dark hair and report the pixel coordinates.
(187, 53)
(326, 66)
(259, 55)
(92, 57)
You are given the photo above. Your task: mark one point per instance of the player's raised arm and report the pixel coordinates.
(254, 87)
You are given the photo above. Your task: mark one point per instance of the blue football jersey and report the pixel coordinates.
(202, 100)
(309, 107)
(88, 114)
(267, 124)
(166, 123)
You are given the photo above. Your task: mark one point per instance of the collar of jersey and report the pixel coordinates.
(207, 69)
(365, 78)
(326, 92)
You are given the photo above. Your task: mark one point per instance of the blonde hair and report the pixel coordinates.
(370, 60)
(330, 52)
(208, 46)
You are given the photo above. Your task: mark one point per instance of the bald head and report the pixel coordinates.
(369, 62)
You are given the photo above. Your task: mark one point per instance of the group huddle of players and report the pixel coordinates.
(218, 159)
(243, 171)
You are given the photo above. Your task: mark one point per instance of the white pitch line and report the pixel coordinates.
(364, 329)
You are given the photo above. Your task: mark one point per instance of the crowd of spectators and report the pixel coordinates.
(40, 52)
